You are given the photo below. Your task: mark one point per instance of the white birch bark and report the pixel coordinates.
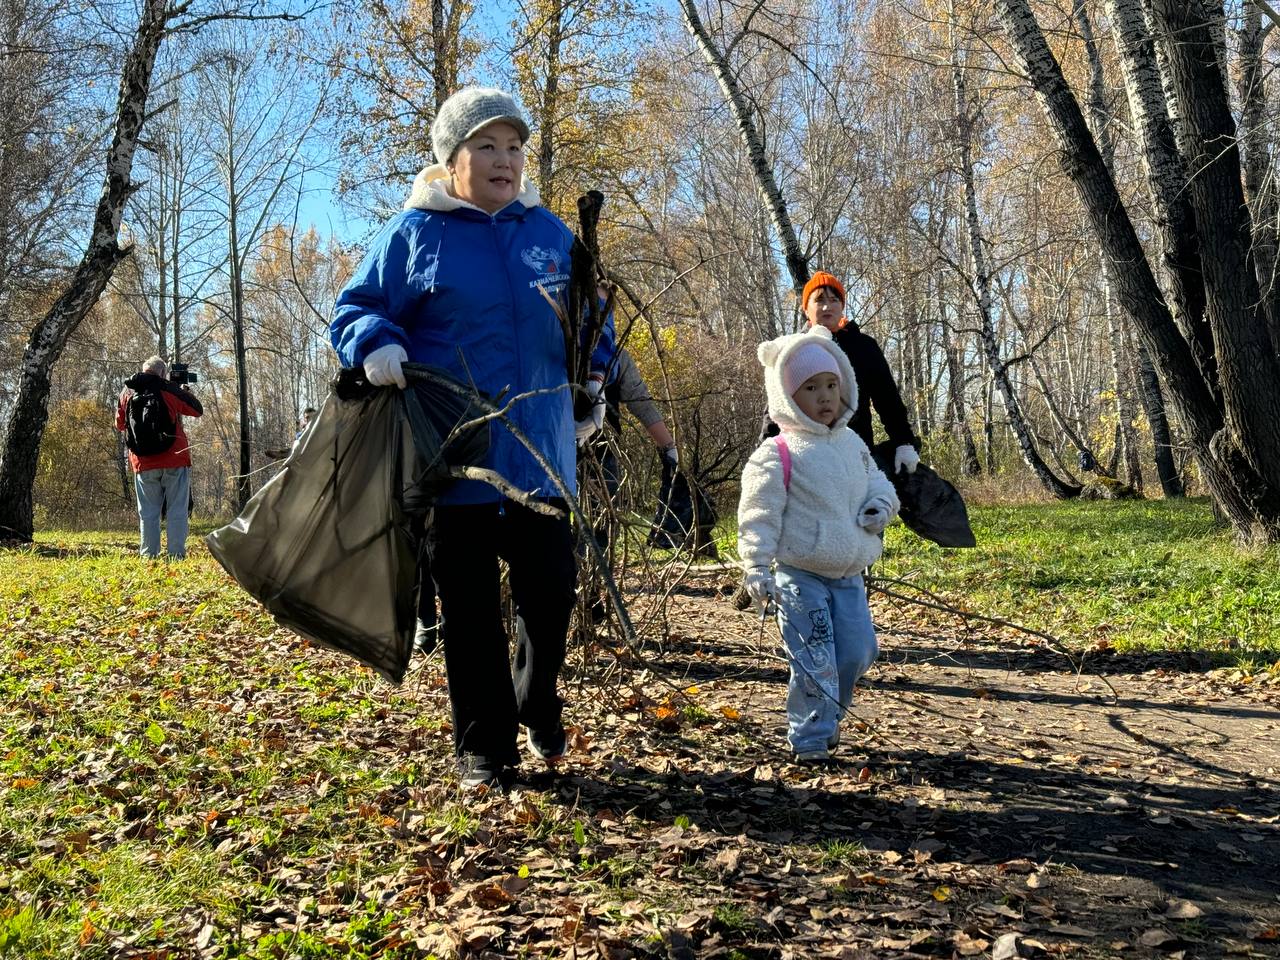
(1240, 488)
(1150, 106)
(1259, 177)
(980, 284)
(102, 254)
(1248, 368)
(770, 194)
(1099, 117)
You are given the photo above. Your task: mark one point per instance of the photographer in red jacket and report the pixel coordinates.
(150, 416)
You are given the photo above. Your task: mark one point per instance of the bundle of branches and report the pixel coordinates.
(583, 317)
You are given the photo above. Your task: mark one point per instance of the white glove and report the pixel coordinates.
(758, 582)
(382, 367)
(905, 458)
(585, 428)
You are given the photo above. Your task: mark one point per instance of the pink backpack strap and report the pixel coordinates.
(784, 454)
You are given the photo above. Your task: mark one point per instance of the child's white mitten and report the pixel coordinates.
(875, 515)
(759, 584)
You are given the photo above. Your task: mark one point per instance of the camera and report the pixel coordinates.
(178, 373)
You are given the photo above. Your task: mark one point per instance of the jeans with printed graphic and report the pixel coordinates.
(830, 642)
(166, 491)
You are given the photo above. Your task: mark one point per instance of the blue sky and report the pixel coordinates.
(492, 19)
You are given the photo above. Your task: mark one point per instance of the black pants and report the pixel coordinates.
(488, 703)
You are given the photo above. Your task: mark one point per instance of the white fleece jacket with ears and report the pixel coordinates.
(813, 525)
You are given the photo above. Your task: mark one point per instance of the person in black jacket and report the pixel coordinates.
(823, 303)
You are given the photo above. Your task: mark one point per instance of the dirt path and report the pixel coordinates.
(989, 801)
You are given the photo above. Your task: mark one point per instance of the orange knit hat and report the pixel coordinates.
(817, 281)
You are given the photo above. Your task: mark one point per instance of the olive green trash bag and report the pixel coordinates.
(328, 544)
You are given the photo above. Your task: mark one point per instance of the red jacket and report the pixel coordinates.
(180, 404)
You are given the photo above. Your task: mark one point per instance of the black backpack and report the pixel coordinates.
(149, 427)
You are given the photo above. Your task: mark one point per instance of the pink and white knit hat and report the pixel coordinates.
(806, 361)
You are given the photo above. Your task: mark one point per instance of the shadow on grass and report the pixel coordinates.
(1029, 659)
(54, 551)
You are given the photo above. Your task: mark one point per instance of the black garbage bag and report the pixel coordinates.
(434, 411)
(931, 506)
(329, 545)
(674, 525)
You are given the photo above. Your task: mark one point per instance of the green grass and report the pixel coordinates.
(171, 758)
(1139, 575)
(843, 853)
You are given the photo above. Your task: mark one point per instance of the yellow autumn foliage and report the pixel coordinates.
(78, 479)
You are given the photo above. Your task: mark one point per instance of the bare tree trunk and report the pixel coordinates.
(550, 106)
(1175, 224)
(439, 56)
(989, 423)
(176, 261)
(1243, 491)
(1099, 116)
(244, 487)
(1150, 106)
(30, 412)
(159, 260)
(1259, 180)
(911, 382)
(122, 468)
(981, 289)
(1161, 437)
(1126, 415)
(1248, 368)
(797, 262)
(969, 465)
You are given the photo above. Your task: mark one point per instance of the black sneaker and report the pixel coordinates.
(475, 771)
(546, 745)
(812, 757)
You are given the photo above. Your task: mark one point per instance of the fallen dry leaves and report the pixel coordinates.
(986, 801)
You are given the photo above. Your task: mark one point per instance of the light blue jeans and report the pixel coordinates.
(830, 642)
(168, 489)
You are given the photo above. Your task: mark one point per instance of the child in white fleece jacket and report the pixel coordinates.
(814, 503)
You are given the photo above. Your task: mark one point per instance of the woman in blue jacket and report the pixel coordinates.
(457, 280)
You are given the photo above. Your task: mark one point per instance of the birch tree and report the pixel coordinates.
(1255, 143)
(1099, 116)
(752, 139)
(47, 133)
(27, 421)
(980, 282)
(257, 129)
(102, 254)
(1234, 430)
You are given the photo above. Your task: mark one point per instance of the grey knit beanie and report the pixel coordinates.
(464, 113)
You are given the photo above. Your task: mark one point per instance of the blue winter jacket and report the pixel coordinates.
(459, 289)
